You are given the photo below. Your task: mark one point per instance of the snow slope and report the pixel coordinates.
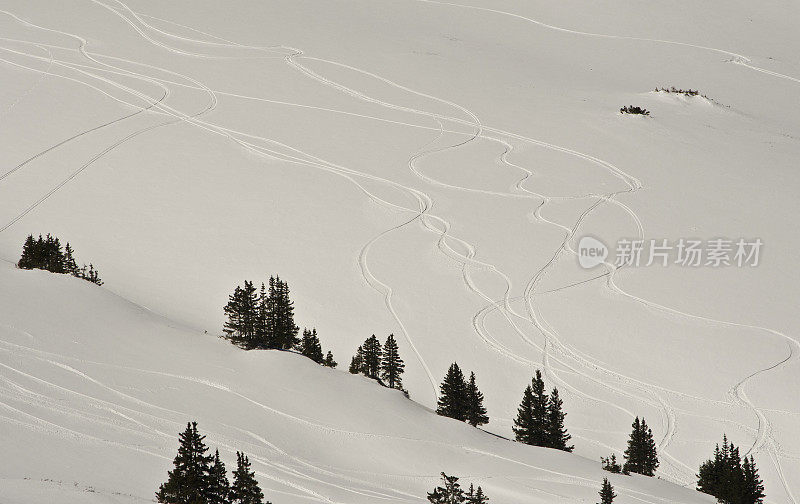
(426, 168)
(95, 389)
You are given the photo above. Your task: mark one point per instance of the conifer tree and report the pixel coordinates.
(357, 362)
(245, 489)
(392, 365)
(371, 363)
(557, 436)
(449, 493)
(28, 260)
(531, 424)
(607, 494)
(310, 346)
(241, 313)
(752, 484)
(476, 411)
(453, 395)
(284, 329)
(610, 464)
(329, 362)
(188, 482)
(69, 266)
(523, 424)
(219, 489)
(641, 456)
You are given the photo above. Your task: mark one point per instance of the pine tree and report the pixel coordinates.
(263, 337)
(450, 493)
(610, 464)
(28, 259)
(607, 494)
(476, 411)
(329, 362)
(219, 488)
(188, 482)
(310, 346)
(641, 456)
(357, 362)
(752, 485)
(69, 265)
(453, 395)
(531, 424)
(371, 364)
(241, 312)
(245, 489)
(523, 424)
(282, 317)
(392, 365)
(557, 436)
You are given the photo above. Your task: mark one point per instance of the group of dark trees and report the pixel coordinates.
(460, 398)
(641, 455)
(540, 419)
(46, 254)
(450, 492)
(730, 478)
(634, 110)
(381, 363)
(686, 92)
(264, 319)
(198, 478)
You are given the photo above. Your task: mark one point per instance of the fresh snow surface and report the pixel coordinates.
(419, 167)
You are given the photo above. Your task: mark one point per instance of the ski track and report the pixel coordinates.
(422, 214)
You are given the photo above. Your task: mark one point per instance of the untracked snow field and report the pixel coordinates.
(418, 167)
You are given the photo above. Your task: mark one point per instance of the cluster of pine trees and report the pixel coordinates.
(450, 492)
(46, 254)
(540, 419)
(641, 455)
(381, 363)
(198, 478)
(730, 478)
(460, 398)
(264, 319)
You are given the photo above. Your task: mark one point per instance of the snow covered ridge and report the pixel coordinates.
(416, 168)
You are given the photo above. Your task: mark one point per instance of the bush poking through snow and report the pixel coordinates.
(634, 110)
(685, 92)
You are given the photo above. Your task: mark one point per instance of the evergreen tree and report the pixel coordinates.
(92, 275)
(476, 411)
(310, 346)
(241, 313)
(641, 456)
(329, 362)
(453, 395)
(69, 264)
(523, 424)
(263, 337)
(282, 317)
(449, 493)
(607, 494)
(371, 363)
(557, 436)
(28, 259)
(531, 424)
(753, 486)
(392, 365)
(188, 482)
(219, 488)
(245, 489)
(357, 362)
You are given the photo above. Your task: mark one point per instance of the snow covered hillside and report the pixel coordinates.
(418, 167)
